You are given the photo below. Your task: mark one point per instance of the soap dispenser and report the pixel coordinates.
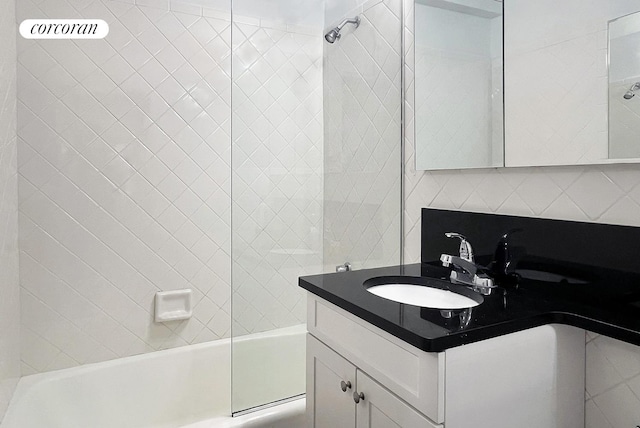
(502, 266)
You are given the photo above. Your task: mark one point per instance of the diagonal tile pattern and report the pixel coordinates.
(608, 194)
(277, 173)
(124, 164)
(613, 383)
(362, 93)
(125, 177)
(9, 284)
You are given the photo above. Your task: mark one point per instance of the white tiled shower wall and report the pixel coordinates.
(362, 93)
(125, 154)
(9, 285)
(599, 193)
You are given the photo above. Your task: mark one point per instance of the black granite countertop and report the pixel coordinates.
(505, 311)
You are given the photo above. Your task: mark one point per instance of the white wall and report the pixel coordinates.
(124, 161)
(605, 194)
(9, 285)
(289, 12)
(337, 10)
(362, 92)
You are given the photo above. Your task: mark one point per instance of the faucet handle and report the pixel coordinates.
(446, 260)
(466, 252)
(483, 284)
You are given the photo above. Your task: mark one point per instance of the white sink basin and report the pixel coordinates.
(417, 292)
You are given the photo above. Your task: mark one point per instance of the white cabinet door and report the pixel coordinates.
(417, 377)
(381, 409)
(328, 406)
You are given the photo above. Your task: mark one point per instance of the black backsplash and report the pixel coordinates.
(581, 274)
(598, 255)
(588, 244)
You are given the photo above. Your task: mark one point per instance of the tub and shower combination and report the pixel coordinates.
(187, 387)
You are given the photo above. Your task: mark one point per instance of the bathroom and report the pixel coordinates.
(228, 148)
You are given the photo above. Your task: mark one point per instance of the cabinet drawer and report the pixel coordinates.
(414, 375)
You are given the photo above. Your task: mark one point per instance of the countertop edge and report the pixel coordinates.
(477, 334)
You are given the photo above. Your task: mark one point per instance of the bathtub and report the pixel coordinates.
(187, 387)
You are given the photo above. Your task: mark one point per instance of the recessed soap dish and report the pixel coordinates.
(173, 305)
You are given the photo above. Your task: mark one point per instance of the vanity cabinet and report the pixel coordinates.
(341, 395)
(331, 381)
(530, 379)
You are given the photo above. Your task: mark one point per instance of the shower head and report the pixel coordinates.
(632, 91)
(334, 33)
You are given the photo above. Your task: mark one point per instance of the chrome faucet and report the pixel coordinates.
(465, 270)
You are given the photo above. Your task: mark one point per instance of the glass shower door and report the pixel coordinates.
(362, 81)
(316, 171)
(276, 194)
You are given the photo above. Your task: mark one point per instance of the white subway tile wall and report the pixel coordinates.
(9, 284)
(124, 161)
(362, 161)
(604, 193)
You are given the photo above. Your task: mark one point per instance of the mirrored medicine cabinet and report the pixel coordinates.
(526, 83)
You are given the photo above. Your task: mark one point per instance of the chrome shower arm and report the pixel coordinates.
(632, 91)
(355, 21)
(334, 33)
